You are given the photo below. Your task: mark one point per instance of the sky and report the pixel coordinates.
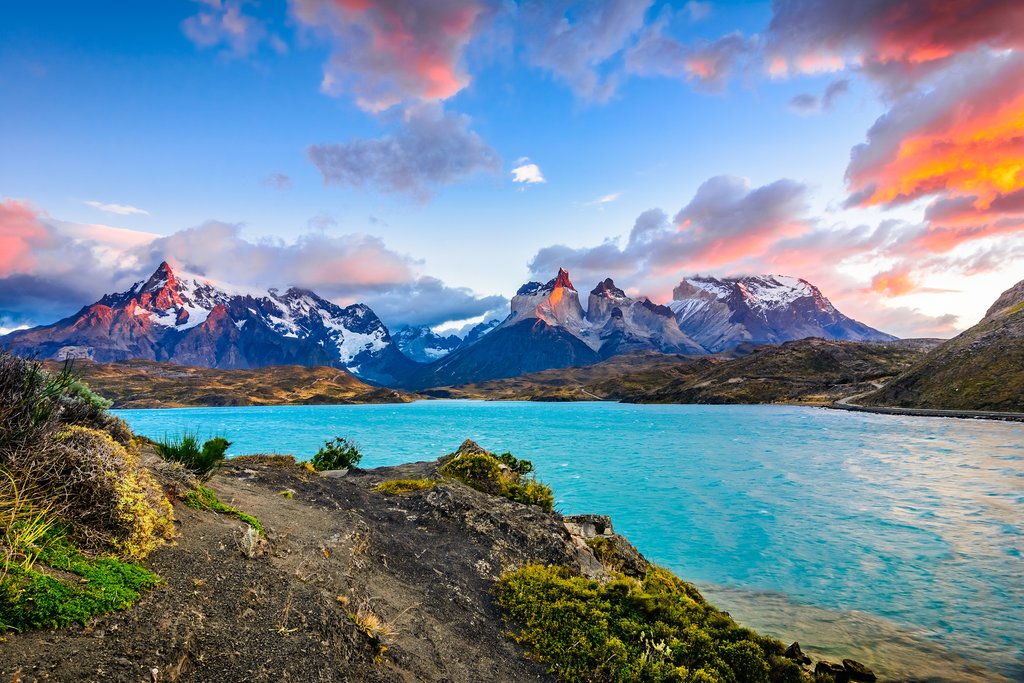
(427, 158)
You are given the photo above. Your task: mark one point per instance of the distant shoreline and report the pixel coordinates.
(930, 412)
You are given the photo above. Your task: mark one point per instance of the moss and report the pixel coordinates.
(30, 598)
(399, 486)
(605, 553)
(660, 629)
(485, 472)
(203, 498)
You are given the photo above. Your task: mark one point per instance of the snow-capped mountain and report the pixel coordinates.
(721, 313)
(423, 345)
(189, 319)
(622, 324)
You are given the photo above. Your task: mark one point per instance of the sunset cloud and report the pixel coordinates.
(21, 232)
(431, 148)
(394, 51)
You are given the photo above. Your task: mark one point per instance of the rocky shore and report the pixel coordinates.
(350, 583)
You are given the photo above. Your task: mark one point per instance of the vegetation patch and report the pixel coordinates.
(499, 475)
(33, 597)
(203, 498)
(658, 629)
(268, 459)
(202, 460)
(400, 486)
(337, 454)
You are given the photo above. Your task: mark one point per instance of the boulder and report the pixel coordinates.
(859, 672)
(837, 672)
(796, 654)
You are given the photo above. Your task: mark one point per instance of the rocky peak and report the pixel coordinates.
(1012, 297)
(607, 289)
(561, 280)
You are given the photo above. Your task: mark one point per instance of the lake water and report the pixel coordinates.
(898, 541)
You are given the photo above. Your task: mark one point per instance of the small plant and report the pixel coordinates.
(370, 624)
(400, 486)
(202, 460)
(203, 498)
(515, 464)
(337, 454)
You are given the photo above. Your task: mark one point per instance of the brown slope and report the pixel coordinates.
(981, 369)
(148, 384)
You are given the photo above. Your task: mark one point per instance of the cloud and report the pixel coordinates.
(527, 173)
(805, 103)
(724, 221)
(958, 144)
(709, 65)
(604, 199)
(392, 51)
(577, 41)
(119, 209)
(697, 11)
(222, 22)
(278, 181)
(431, 148)
(60, 267)
(21, 232)
(833, 91)
(910, 323)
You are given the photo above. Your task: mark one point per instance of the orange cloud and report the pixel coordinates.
(893, 283)
(20, 232)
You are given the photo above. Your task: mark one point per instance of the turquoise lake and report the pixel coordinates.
(898, 541)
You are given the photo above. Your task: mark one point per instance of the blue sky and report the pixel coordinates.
(128, 104)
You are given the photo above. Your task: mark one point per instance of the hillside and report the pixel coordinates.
(813, 371)
(148, 384)
(981, 369)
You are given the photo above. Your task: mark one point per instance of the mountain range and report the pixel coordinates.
(189, 319)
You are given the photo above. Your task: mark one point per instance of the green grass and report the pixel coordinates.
(33, 598)
(399, 486)
(203, 459)
(203, 498)
(658, 629)
(483, 472)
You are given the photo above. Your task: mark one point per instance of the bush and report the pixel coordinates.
(337, 454)
(660, 629)
(498, 475)
(202, 461)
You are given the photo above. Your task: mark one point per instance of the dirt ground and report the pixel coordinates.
(424, 563)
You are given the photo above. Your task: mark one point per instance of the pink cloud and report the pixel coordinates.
(392, 51)
(21, 232)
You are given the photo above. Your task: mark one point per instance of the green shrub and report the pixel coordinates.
(399, 486)
(337, 454)
(203, 498)
(660, 629)
(201, 460)
(483, 472)
(31, 599)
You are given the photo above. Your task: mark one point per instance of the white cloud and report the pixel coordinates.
(527, 173)
(604, 199)
(119, 209)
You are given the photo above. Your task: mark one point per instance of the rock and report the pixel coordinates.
(796, 654)
(837, 672)
(589, 526)
(859, 672)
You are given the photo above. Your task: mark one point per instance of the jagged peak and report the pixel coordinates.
(162, 277)
(607, 289)
(560, 280)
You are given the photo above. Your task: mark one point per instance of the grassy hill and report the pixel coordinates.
(981, 369)
(812, 371)
(147, 384)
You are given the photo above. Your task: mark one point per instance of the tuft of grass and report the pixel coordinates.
(400, 486)
(203, 459)
(32, 599)
(658, 629)
(203, 498)
(492, 474)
